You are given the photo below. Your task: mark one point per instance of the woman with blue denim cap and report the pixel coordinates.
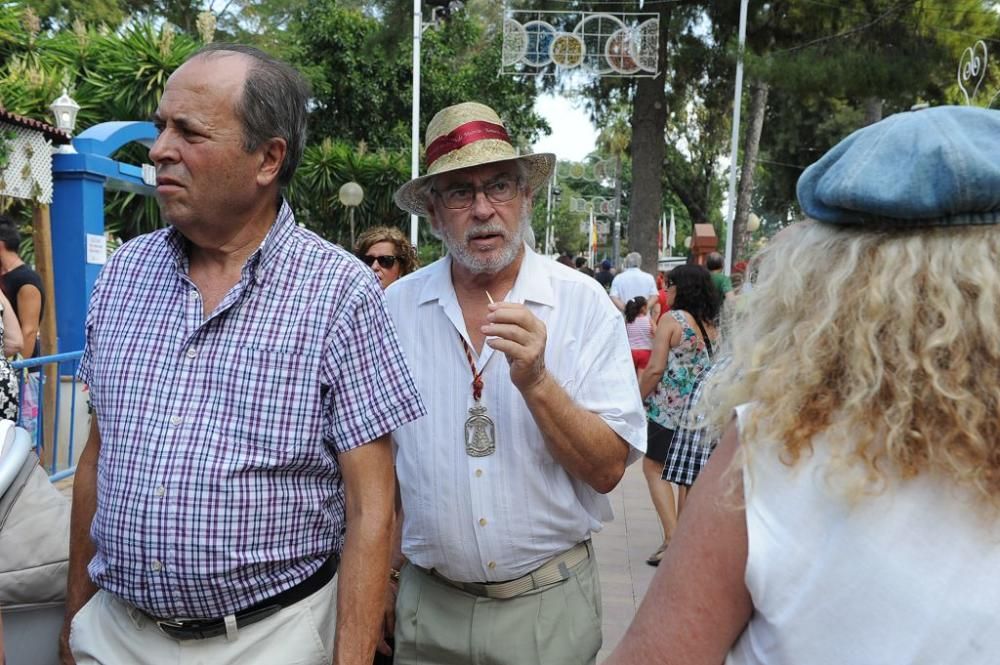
(851, 513)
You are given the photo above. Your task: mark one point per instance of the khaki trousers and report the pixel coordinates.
(107, 631)
(438, 624)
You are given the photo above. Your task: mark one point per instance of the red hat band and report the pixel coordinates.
(463, 135)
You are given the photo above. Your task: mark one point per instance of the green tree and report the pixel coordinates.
(361, 71)
(325, 167)
(56, 14)
(832, 68)
(114, 76)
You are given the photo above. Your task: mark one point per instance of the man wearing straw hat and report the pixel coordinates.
(502, 483)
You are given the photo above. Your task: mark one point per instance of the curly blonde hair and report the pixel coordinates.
(888, 341)
(404, 250)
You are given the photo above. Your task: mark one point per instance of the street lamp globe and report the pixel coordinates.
(65, 109)
(351, 194)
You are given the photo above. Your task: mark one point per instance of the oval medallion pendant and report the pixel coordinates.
(480, 433)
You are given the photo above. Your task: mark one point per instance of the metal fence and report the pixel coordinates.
(50, 397)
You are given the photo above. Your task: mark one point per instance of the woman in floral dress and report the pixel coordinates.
(682, 352)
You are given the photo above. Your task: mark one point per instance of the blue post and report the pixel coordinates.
(77, 213)
(79, 181)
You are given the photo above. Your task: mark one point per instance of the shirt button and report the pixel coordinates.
(479, 472)
(192, 353)
(156, 566)
(491, 565)
(175, 420)
(161, 490)
(193, 294)
(482, 521)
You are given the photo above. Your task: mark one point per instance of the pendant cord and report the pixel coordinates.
(477, 377)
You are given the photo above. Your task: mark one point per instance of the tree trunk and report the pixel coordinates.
(751, 144)
(649, 119)
(873, 110)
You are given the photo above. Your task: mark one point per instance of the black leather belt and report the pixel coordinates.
(200, 629)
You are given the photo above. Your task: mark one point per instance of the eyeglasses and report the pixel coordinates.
(459, 197)
(387, 261)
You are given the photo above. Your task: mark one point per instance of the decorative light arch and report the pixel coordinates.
(621, 44)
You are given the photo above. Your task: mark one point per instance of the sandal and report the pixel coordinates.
(655, 558)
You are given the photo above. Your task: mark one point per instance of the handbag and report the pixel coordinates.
(34, 526)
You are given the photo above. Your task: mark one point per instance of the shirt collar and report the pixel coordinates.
(534, 281)
(273, 245)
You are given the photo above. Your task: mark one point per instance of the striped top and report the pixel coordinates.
(640, 333)
(218, 477)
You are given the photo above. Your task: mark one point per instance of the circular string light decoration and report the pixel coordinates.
(648, 45)
(595, 30)
(515, 43)
(620, 52)
(567, 50)
(540, 37)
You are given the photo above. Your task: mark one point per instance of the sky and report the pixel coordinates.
(572, 136)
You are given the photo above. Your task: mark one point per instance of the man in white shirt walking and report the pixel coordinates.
(502, 482)
(632, 282)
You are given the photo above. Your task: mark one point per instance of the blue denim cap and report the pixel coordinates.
(934, 167)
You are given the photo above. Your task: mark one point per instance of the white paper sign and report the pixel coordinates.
(97, 249)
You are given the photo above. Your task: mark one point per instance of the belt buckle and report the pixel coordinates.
(188, 629)
(170, 623)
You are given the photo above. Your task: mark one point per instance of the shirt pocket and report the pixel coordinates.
(272, 406)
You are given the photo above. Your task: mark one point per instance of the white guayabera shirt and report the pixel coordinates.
(495, 518)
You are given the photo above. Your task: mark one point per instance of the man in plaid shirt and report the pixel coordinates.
(245, 378)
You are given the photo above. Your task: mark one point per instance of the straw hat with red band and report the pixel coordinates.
(463, 136)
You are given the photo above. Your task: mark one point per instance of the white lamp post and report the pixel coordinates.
(351, 194)
(734, 148)
(418, 29)
(64, 109)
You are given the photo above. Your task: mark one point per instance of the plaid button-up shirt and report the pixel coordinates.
(218, 479)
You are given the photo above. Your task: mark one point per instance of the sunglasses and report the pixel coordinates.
(386, 261)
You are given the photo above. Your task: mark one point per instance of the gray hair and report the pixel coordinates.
(633, 260)
(273, 104)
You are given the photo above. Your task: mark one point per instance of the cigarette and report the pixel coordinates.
(490, 297)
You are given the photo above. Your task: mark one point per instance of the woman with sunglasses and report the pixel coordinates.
(388, 252)
(391, 256)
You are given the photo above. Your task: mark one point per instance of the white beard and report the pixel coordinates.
(459, 250)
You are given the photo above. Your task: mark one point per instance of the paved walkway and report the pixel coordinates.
(622, 548)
